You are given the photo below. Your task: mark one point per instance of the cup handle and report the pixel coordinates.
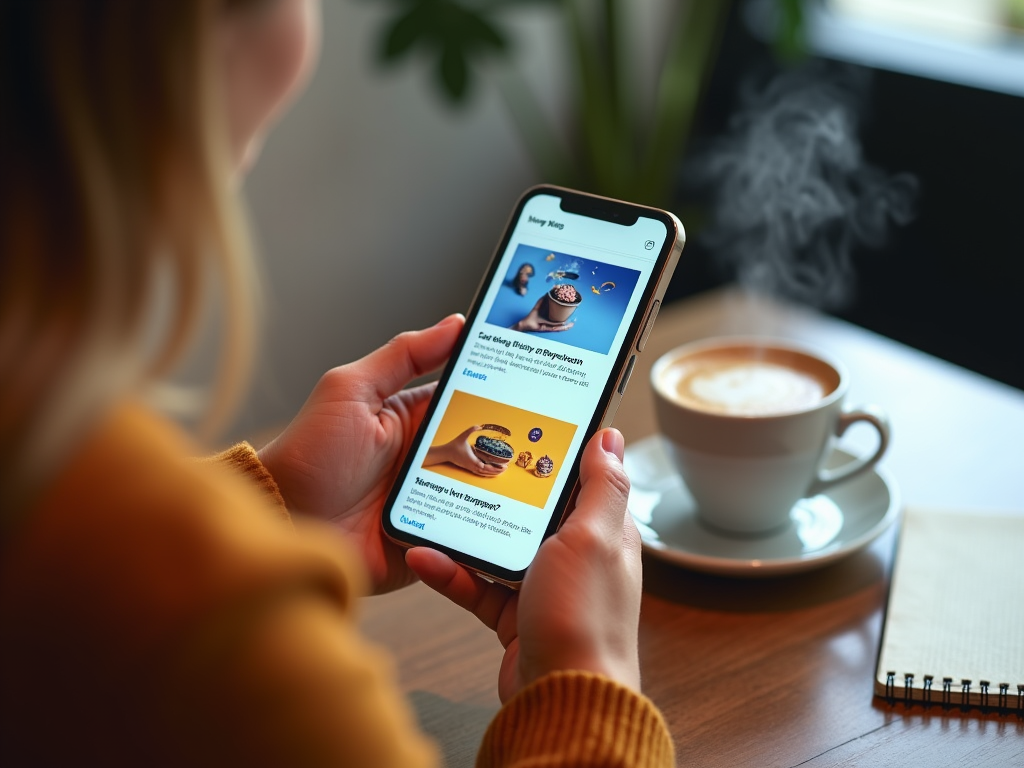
(875, 416)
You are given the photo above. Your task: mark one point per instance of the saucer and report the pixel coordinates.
(822, 529)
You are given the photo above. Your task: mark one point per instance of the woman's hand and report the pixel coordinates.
(337, 458)
(579, 605)
(534, 321)
(458, 452)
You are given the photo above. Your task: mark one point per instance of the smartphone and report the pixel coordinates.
(552, 336)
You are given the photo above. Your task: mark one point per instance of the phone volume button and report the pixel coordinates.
(651, 317)
(626, 375)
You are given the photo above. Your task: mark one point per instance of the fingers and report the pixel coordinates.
(408, 356)
(465, 457)
(415, 401)
(484, 469)
(560, 327)
(442, 574)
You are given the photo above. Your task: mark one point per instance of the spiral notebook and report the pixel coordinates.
(954, 626)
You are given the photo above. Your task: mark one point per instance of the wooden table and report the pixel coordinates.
(770, 672)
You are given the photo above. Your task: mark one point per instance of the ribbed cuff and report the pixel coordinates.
(244, 459)
(577, 718)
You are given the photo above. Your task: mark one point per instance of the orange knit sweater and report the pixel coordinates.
(156, 611)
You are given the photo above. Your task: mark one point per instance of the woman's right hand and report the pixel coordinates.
(457, 451)
(579, 605)
(534, 321)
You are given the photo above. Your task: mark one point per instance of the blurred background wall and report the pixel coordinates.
(376, 205)
(375, 208)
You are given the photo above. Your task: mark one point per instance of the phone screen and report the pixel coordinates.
(546, 340)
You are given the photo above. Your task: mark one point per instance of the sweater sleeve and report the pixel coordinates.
(301, 688)
(577, 719)
(565, 719)
(155, 608)
(243, 459)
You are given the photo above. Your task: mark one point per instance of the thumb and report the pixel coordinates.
(604, 486)
(464, 435)
(409, 355)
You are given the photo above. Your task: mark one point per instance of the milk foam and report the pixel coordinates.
(751, 387)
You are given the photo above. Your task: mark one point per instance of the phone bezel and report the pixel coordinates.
(593, 206)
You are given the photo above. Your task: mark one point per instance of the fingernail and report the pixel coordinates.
(613, 442)
(448, 320)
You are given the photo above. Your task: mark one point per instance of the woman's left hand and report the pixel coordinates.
(337, 459)
(534, 321)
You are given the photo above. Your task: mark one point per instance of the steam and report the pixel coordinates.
(791, 195)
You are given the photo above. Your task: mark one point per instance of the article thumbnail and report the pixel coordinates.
(576, 301)
(503, 449)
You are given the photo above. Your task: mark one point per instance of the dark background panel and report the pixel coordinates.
(950, 282)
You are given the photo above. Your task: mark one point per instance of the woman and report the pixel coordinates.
(161, 610)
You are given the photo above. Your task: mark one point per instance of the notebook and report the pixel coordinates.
(954, 626)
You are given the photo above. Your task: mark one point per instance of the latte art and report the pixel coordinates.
(746, 388)
(748, 381)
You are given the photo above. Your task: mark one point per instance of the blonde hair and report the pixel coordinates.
(116, 180)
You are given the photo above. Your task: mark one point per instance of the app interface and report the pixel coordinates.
(499, 448)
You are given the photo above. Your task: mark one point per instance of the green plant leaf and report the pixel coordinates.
(454, 34)
(790, 43)
(698, 29)
(453, 71)
(612, 149)
(404, 31)
(473, 30)
(495, 5)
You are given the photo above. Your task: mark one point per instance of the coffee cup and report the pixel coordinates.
(751, 422)
(563, 299)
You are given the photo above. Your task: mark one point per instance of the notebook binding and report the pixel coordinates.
(986, 697)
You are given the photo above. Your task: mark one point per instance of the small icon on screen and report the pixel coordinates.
(649, 245)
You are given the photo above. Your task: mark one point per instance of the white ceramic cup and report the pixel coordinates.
(751, 421)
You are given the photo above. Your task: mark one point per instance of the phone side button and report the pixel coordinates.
(651, 317)
(626, 375)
